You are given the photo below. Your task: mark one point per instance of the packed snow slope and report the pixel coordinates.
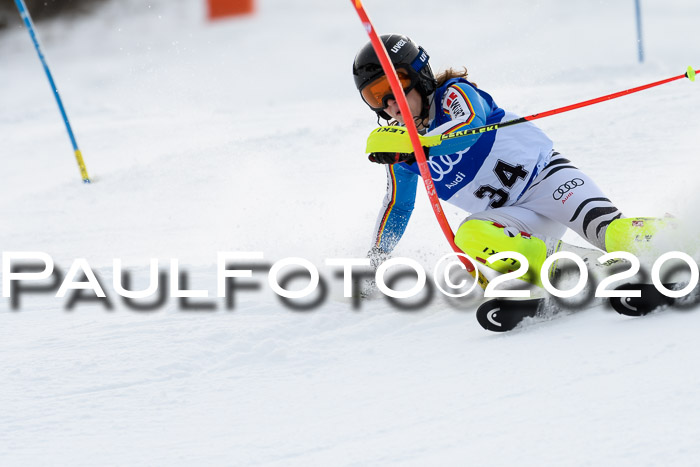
(248, 135)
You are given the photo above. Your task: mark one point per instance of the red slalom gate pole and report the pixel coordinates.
(400, 96)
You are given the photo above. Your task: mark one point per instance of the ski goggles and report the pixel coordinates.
(378, 92)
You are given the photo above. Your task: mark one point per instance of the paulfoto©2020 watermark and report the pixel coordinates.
(25, 273)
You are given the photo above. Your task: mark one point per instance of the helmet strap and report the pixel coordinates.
(427, 103)
(384, 115)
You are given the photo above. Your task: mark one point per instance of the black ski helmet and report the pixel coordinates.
(404, 54)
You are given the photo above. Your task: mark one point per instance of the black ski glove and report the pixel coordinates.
(395, 157)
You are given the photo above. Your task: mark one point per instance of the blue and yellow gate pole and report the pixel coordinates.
(24, 13)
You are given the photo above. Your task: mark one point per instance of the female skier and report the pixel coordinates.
(521, 192)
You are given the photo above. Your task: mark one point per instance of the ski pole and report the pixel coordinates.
(382, 141)
(690, 74)
(400, 96)
(24, 13)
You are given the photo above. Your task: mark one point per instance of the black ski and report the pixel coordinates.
(650, 300)
(502, 314)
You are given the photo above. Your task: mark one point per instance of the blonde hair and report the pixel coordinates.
(450, 73)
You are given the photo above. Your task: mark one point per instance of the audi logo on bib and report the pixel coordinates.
(438, 170)
(566, 187)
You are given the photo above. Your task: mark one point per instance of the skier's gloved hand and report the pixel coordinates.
(391, 157)
(395, 157)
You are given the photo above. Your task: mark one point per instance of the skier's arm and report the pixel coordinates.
(396, 208)
(466, 109)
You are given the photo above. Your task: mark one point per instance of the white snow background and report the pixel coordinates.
(248, 135)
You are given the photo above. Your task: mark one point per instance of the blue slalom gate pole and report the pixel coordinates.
(640, 47)
(24, 13)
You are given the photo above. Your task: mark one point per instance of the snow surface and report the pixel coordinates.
(248, 135)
